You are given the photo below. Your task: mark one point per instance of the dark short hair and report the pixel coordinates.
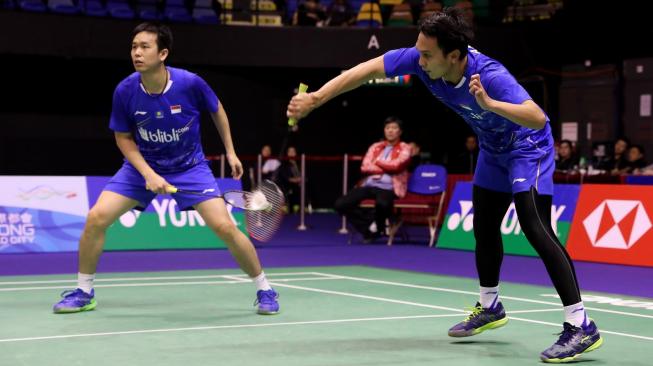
(162, 31)
(624, 139)
(450, 28)
(394, 119)
(638, 147)
(568, 142)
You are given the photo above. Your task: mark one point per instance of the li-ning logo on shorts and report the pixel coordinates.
(162, 136)
(617, 224)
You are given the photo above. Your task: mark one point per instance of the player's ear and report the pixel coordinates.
(163, 54)
(454, 55)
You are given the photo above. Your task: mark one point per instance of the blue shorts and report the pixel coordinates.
(529, 164)
(130, 183)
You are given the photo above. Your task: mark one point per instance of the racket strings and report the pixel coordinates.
(262, 225)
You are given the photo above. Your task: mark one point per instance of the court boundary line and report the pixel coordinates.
(603, 331)
(151, 278)
(457, 312)
(154, 284)
(233, 326)
(443, 289)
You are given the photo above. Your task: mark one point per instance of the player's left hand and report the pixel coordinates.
(236, 166)
(476, 89)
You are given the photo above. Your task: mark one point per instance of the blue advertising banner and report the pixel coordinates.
(47, 214)
(457, 231)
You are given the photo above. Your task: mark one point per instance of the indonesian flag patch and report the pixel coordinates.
(174, 109)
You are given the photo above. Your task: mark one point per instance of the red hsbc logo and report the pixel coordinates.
(617, 224)
(612, 224)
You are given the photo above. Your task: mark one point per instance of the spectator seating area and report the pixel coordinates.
(377, 13)
(423, 204)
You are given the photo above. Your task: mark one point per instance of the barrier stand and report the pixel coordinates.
(345, 174)
(302, 195)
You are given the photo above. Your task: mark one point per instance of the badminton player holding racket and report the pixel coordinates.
(155, 117)
(515, 163)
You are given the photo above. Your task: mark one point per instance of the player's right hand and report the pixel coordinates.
(156, 184)
(301, 105)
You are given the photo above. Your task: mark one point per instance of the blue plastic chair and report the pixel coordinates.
(203, 12)
(147, 10)
(423, 202)
(7, 4)
(176, 11)
(93, 8)
(120, 9)
(63, 6)
(428, 179)
(36, 6)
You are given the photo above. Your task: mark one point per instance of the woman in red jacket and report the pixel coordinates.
(385, 168)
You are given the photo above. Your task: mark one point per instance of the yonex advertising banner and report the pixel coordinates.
(613, 225)
(47, 214)
(457, 231)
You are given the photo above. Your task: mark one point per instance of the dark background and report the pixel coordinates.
(59, 73)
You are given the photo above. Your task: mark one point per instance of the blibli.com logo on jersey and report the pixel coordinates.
(162, 136)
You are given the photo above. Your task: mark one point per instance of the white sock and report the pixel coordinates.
(261, 282)
(85, 281)
(489, 297)
(576, 315)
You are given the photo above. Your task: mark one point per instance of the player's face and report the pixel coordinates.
(431, 58)
(392, 132)
(145, 52)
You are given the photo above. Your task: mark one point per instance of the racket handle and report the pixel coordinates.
(302, 89)
(171, 189)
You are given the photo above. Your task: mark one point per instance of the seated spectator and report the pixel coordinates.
(270, 164)
(309, 14)
(340, 14)
(566, 161)
(617, 162)
(467, 7)
(647, 170)
(386, 178)
(465, 163)
(636, 160)
(415, 156)
(290, 179)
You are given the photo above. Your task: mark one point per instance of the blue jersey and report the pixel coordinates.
(496, 134)
(166, 126)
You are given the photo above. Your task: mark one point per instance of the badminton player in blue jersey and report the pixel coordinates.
(515, 163)
(155, 119)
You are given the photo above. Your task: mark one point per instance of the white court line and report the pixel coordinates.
(239, 279)
(602, 331)
(236, 326)
(442, 308)
(149, 284)
(532, 311)
(441, 289)
(384, 299)
(118, 279)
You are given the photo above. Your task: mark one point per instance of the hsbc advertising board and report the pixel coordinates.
(613, 224)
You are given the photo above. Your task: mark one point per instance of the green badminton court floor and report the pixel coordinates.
(330, 316)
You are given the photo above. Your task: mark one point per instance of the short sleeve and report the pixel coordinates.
(502, 86)
(206, 97)
(401, 61)
(119, 120)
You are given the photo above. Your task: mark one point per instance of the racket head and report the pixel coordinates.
(250, 201)
(262, 225)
